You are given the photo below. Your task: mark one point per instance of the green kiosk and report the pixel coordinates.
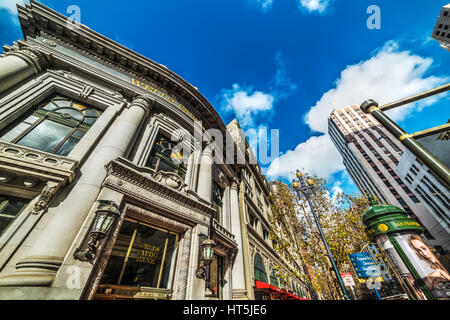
(415, 262)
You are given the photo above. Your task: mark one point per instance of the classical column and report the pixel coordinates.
(43, 260)
(17, 65)
(204, 189)
(238, 277)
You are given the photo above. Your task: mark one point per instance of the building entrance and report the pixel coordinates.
(141, 265)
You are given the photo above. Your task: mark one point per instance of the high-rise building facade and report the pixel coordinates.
(371, 155)
(428, 188)
(441, 31)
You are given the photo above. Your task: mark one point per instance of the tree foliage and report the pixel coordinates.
(294, 231)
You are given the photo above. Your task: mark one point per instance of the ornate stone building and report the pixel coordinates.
(88, 137)
(267, 274)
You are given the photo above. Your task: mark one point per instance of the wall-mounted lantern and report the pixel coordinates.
(106, 214)
(207, 250)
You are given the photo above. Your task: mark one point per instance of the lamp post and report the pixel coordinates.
(306, 188)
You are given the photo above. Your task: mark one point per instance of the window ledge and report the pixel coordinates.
(27, 168)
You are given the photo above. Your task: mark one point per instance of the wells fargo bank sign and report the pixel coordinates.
(153, 90)
(148, 254)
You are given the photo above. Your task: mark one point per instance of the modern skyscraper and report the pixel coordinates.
(441, 30)
(424, 183)
(371, 155)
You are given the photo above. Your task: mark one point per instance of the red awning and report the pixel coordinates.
(280, 292)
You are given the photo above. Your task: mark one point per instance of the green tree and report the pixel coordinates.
(295, 231)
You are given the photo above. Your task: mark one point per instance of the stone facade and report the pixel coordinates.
(136, 101)
(254, 205)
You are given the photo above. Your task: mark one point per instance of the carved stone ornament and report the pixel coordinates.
(46, 195)
(87, 90)
(171, 180)
(33, 56)
(49, 42)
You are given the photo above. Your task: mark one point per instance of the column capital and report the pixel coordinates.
(145, 101)
(33, 56)
(235, 184)
(208, 148)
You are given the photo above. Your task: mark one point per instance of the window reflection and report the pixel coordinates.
(55, 126)
(143, 256)
(10, 208)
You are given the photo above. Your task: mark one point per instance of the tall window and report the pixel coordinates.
(164, 158)
(273, 277)
(9, 209)
(55, 126)
(217, 201)
(260, 271)
(215, 282)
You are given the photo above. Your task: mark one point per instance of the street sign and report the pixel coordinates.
(348, 279)
(364, 265)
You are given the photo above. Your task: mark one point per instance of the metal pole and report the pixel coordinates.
(442, 172)
(322, 235)
(376, 291)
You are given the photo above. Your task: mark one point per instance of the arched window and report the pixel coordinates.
(165, 157)
(56, 126)
(260, 271)
(273, 277)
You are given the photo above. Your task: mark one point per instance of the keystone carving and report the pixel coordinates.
(171, 180)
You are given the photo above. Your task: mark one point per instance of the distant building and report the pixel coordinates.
(259, 257)
(441, 30)
(427, 186)
(371, 155)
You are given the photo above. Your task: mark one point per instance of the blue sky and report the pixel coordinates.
(282, 64)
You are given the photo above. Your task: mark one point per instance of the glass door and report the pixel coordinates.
(142, 262)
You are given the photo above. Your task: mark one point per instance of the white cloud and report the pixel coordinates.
(282, 84)
(317, 155)
(11, 7)
(246, 103)
(387, 76)
(313, 5)
(264, 4)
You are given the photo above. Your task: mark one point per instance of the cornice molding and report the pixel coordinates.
(38, 20)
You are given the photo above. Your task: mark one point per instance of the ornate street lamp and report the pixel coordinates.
(207, 250)
(105, 216)
(306, 187)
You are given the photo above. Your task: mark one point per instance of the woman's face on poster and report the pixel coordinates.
(423, 250)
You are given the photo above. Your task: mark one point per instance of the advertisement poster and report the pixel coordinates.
(429, 268)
